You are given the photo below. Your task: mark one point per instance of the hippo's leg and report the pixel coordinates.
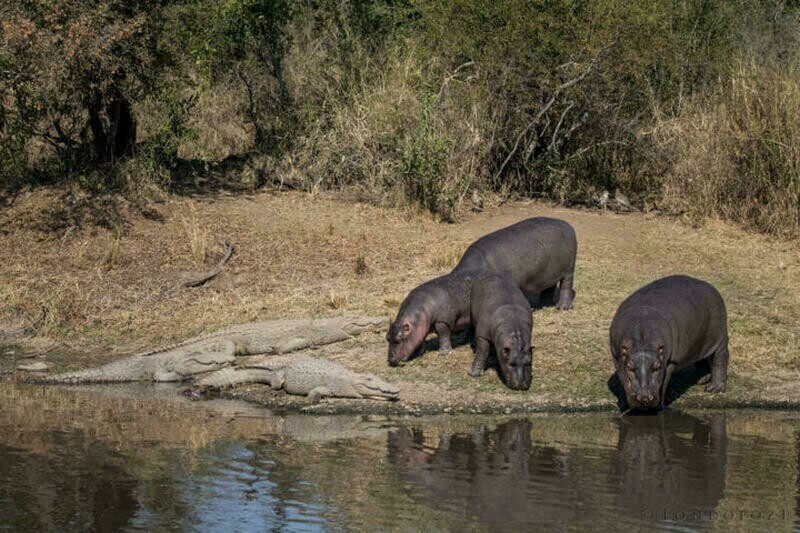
(665, 384)
(445, 344)
(719, 369)
(566, 294)
(481, 355)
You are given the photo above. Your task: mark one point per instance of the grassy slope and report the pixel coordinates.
(105, 292)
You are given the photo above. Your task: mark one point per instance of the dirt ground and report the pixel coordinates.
(77, 293)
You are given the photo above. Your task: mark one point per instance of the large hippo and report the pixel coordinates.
(502, 318)
(537, 253)
(664, 326)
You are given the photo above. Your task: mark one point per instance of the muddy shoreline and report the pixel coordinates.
(70, 307)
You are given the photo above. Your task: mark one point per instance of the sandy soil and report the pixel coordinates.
(78, 292)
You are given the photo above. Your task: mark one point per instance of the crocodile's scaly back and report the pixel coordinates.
(230, 376)
(168, 366)
(284, 335)
(303, 376)
(216, 350)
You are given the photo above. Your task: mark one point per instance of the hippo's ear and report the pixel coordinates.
(406, 328)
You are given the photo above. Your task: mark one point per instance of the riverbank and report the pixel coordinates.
(90, 294)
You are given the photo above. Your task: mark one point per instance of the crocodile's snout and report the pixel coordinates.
(375, 388)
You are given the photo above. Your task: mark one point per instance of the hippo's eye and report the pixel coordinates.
(661, 349)
(657, 365)
(624, 350)
(406, 327)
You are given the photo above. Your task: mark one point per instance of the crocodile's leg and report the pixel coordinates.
(277, 380)
(318, 393)
(293, 344)
(198, 363)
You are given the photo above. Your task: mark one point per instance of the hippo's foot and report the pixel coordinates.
(704, 380)
(715, 387)
(475, 372)
(445, 351)
(565, 300)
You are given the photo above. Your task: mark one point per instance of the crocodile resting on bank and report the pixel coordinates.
(307, 376)
(206, 353)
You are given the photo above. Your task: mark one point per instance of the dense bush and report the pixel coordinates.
(71, 71)
(415, 101)
(738, 156)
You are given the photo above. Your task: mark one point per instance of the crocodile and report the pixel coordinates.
(308, 376)
(206, 353)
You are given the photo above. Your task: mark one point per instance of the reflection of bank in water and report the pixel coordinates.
(148, 458)
(144, 457)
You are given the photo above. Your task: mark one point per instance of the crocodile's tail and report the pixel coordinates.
(115, 372)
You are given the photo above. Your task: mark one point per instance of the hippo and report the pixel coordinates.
(502, 318)
(441, 304)
(537, 253)
(664, 326)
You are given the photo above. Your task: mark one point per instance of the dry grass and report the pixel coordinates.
(195, 234)
(384, 136)
(738, 156)
(297, 255)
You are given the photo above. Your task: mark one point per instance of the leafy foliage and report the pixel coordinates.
(416, 101)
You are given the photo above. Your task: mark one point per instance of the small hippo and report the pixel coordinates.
(537, 253)
(502, 318)
(664, 326)
(440, 305)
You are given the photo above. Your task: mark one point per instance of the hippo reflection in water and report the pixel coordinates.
(502, 477)
(671, 462)
(494, 474)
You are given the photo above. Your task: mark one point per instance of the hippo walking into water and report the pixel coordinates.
(664, 326)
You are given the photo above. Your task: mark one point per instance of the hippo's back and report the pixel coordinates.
(679, 297)
(536, 253)
(693, 309)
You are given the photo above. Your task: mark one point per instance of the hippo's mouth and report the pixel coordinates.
(644, 404)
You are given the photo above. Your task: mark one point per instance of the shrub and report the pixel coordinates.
(737, 154)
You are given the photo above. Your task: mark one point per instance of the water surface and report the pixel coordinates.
(143, 458)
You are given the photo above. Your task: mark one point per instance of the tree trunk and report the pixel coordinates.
(112, 124)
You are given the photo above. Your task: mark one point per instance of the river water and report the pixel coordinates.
(143, 458)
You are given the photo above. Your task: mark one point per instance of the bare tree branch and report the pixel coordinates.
(440, 96)
(552, 145)
(556, 93)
